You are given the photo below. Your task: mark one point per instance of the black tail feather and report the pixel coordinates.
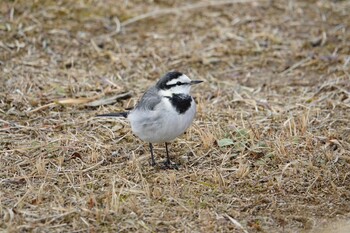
(114, 114)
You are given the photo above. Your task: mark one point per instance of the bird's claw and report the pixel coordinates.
(152, 163)
(169, 165)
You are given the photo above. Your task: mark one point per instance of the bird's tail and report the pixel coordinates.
(114, 114)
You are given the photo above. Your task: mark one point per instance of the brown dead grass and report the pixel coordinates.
(277, 84)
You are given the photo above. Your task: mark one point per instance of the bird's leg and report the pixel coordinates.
(153, 162)
(167, 162)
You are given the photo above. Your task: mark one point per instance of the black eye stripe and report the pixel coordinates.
(176, 84)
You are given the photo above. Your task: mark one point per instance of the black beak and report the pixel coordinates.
(196, 82)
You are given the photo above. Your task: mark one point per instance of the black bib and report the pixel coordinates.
(181, 102)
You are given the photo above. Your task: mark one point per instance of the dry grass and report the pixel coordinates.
(277, 89)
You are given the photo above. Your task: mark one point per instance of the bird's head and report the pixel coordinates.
(175, 83)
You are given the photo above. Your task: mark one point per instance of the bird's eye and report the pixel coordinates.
(178, 83)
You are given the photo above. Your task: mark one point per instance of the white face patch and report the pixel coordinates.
(167, 93)
(182, 79)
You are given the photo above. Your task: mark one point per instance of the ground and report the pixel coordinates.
(269, 150)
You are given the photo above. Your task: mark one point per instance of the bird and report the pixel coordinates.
(163, 113)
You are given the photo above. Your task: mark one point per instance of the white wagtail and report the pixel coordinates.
(163, 113)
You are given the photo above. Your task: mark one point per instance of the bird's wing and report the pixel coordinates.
(149, 100)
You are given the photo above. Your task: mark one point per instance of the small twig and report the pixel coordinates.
(254, 132)
(181, 9)
(118, 25)
(42, 107)
(296, 65)
(92, 167)
(90, 101)
(235, 222)
(55, 217)
(110, 100)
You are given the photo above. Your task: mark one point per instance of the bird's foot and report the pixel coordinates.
(152, 163)
(169, 165)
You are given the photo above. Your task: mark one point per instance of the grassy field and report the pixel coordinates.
(269, 150)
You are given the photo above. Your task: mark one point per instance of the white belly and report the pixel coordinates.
(163, 124)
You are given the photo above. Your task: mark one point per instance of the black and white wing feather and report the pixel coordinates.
(149, 100)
